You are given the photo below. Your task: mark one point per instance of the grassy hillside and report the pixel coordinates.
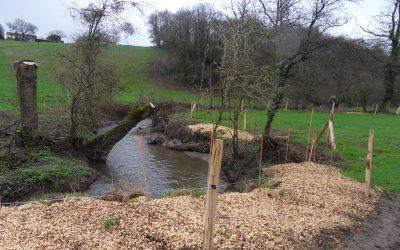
(351, 131)
(132, 63)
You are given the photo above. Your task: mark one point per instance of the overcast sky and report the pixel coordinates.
(53, 15)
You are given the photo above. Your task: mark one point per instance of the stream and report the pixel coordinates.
(134, 164)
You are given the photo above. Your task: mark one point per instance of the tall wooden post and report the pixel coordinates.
(309, 130)
(212, 193)
(260, 161)
(332, 139)
(368, 165)
(27, 82)
(376, 108)
(331, 116)
(312, 147)
(244, 119)
(286, 105)
(287, 146)
(329, 132)
(192, 108)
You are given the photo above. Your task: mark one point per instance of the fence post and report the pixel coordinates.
(212, 193)
(286, 105)
(376, 108)
(244, 119)
(312, 148)
(192, 108)
(260, 160)
(368, 165)
(287, 145)
(332, 139)
(309, 130)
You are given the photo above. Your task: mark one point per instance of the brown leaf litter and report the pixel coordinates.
(222, 131)
(310, 198)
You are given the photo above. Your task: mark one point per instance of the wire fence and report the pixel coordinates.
(303, 132)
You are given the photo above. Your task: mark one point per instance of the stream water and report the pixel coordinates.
(132, 163)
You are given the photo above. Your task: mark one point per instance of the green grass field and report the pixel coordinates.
(132, 63)
(351, 132)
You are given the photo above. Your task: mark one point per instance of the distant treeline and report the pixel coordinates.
(349, 69)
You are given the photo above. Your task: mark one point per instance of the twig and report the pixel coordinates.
(4, 130)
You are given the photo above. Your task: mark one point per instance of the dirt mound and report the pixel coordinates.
(222, 131)
(309, 199)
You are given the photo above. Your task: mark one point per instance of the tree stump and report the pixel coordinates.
(26, 72)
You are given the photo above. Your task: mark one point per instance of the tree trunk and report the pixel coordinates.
(98, 148)
(27, 82)
(283, 72)
(390, 73)
(388, 82)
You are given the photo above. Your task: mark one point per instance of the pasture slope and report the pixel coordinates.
(132, 63)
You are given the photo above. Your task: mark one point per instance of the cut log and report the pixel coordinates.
(27, 84)
(98, 148)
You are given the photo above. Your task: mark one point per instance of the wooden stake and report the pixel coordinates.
(287, 145)
(244, 120)
(260, 160)
(286, 105)
(332, 139)
(331, 116)
(309, 130)
(313, 143)
(212, 193)
(368, 165)
(398, 111)
(376, 108)
(322, 131)
(192, 108)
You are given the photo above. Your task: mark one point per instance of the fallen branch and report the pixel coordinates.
(98, 148)
(9, 126)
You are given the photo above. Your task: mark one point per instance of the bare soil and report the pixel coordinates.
(381, 230)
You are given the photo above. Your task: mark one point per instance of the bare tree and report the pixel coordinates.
(309, 20)
(191, 40)
(56, 36)
(88, 77)
(22, 27)
(1, 32)
(387, 31)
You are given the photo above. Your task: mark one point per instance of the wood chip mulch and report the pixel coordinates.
(222, 131)
(310, 198)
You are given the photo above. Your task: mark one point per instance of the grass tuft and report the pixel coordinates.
(110, 223)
